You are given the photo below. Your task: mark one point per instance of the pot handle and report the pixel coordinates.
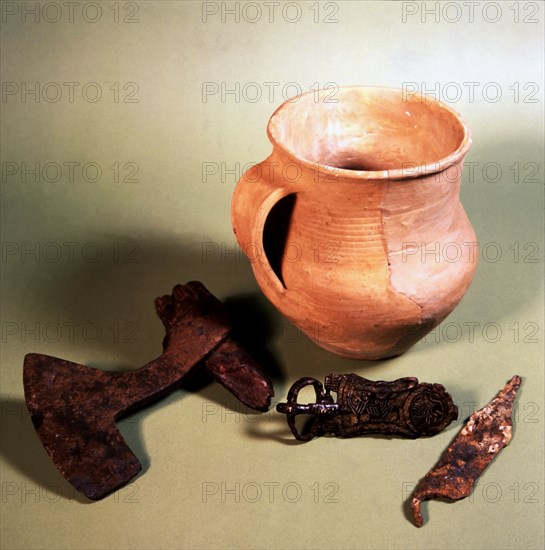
(253, 199)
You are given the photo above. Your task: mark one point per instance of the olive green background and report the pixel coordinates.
(216, 475)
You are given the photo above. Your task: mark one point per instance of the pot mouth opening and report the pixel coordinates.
(366, 132)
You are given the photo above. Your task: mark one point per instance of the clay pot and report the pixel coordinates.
(353, 225)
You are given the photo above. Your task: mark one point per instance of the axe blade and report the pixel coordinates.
(73, 410)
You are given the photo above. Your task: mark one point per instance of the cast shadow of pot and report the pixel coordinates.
(254, 328)
(122, 294)
(509, 273)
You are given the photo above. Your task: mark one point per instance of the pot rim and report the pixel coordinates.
(396, 173)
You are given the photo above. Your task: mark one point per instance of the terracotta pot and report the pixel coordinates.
(353, 225)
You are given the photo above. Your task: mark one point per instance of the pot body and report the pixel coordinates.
(364, 261)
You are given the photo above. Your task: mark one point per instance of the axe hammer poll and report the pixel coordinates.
(74, 408)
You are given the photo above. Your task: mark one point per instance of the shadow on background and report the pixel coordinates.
(22, 449)
(506, 216)
(117, 293)
(118, 297)
(109, 294)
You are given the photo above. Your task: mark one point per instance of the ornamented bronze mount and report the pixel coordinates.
(403, 407)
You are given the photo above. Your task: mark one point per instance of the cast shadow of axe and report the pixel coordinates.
(22, 450)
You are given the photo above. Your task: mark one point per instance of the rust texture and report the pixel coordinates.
(233, 367)
(401, 407)
(485, 434)
(74, 407)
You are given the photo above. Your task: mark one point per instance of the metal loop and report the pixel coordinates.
(293, 408)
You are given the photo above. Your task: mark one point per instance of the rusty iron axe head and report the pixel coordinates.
(74, 407)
